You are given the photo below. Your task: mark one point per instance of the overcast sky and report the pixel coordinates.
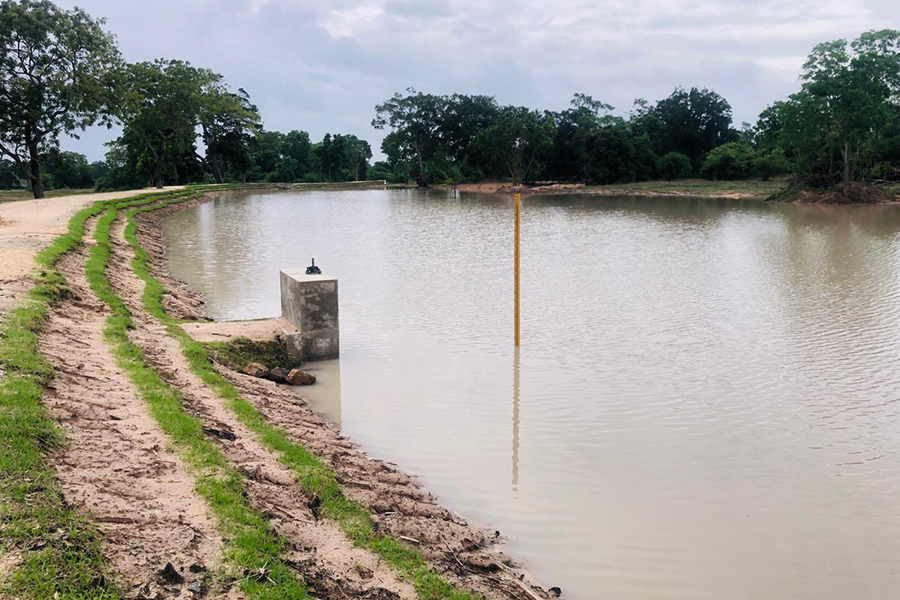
(322, 66)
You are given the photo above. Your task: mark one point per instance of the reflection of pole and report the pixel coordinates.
(515, 440)
(517, 260)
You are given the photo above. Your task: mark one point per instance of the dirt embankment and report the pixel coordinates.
(858, 194)
(116, 464)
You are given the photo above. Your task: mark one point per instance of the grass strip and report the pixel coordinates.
(313, 475)
(60, 547)
(251, 546)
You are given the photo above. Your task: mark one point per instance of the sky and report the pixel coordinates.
(323, 66)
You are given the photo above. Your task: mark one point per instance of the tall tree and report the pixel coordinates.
(847, 102)
(54, 78)
(228, 122)
(691, 122)
(416, 119)
(160, 109)
(519, 140)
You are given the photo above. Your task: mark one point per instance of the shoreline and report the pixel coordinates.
(352, 526)
(189, 305)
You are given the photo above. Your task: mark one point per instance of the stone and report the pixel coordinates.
(298, 377)
(278, 375)
(256, 370)
(170, 575)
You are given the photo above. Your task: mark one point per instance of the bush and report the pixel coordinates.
(734, 160)
(770, 164)
(674, 165)
(47, 181)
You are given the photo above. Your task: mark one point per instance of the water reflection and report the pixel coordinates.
(326, 393)
(515, 433)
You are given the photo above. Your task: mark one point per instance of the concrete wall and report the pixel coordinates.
(310, 303)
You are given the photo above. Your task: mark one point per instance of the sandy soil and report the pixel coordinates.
(465, 554)
(26, 226)
(222, 331)
(115, 463)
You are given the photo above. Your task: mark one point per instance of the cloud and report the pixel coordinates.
(323, 66)
(350, 22)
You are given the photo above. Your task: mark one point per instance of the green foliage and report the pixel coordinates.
(228, 122)
(612, 154)
(68, 170)
(735, 160)
(160, 107)
(691, 122)
(9, 176)
(416, 121)
(386, 171)
(848, 104)
(674, 165)
(517, 142)
(55, 67)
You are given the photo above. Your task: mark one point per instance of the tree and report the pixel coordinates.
(160, 110)
(416, 119)
(228, 122)
(9, 179)
(573, 125)
(518, 140)
(69, 170)
(54, 78)
(463, 117)
(847, 102)
(674, 165)
(613, 153)
(691, 122)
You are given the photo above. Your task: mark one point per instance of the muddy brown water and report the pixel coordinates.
(705, 404)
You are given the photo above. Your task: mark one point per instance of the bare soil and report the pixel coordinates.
(859, 194)
(115, 464)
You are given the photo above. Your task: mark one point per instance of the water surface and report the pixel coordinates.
(704, 405)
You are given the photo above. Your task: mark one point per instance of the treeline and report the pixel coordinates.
(61, 72)
(844, 124)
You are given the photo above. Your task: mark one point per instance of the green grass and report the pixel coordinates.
(251, 546)
(236, 354)
(313, 475)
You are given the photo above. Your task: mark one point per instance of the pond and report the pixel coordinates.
(704, 405)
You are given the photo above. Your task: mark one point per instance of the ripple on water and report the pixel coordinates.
(706, 398)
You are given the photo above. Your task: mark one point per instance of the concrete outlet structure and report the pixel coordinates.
(310, 303)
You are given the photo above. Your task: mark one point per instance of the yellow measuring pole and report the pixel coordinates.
(517, 261)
